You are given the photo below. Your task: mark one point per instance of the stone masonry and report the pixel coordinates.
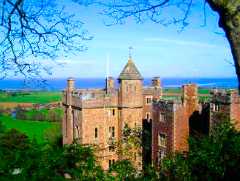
(97, 117)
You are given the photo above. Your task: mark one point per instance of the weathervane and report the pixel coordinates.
(130, 52)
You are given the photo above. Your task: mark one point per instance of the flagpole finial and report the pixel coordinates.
(130, 52)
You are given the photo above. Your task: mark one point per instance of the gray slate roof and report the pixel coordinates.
(130, 72)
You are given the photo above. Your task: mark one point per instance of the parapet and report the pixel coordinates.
(92, 98)
(168, 105)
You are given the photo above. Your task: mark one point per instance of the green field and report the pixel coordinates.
(179, 90)
(30, 97)
(33, 129)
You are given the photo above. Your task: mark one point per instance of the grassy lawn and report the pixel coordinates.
(30, 97)
(33, 129)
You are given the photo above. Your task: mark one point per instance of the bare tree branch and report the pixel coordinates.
(157, 11)
(34, 30)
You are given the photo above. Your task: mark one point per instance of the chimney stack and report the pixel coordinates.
(70, 84)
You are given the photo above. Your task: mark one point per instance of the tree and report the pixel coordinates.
(14, 148)
(130, 145)
(159, 11)
(33, 30)
(24, 159)
(123, 170)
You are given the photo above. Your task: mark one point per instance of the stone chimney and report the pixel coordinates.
(110, 84)
(70, 88)
(67, 123)
(156, 82)
(190, 97)
(70, 84)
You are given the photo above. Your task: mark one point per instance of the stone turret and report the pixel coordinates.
(131, 102)
(130, 93)
(156, 82)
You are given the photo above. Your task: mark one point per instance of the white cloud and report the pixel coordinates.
(74, 61)
(180, 42)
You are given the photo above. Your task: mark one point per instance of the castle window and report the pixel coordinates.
(162, 117)
(216, 107)
(148, 115)
(162, 141)
(111, 162)
(112, 132)
(149, 100)
(113, 112)
(96, 133)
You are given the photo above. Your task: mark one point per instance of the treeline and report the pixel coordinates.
(214, 157)
(54, 114)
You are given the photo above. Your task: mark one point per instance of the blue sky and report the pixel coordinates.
(198, 51)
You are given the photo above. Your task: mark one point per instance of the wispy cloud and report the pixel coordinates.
(180, 42)
(78, 62)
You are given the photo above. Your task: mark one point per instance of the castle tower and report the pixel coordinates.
(189, 106)
(130, 95)
(67, 125)
(131, 103)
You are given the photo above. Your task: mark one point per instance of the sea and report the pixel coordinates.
(59, 84)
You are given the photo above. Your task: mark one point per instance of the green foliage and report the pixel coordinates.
(30, 97)
(130, 143)
(123, 170)
(16, 153)
(175, 167)
(33, 129)
(2, 128)
(53, 135)
(23, 159)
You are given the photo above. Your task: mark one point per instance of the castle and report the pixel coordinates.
(98, 116)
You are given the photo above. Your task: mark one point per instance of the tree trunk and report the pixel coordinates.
(234, 40)
(229, 20)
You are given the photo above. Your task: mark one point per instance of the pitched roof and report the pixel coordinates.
(130, 72)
